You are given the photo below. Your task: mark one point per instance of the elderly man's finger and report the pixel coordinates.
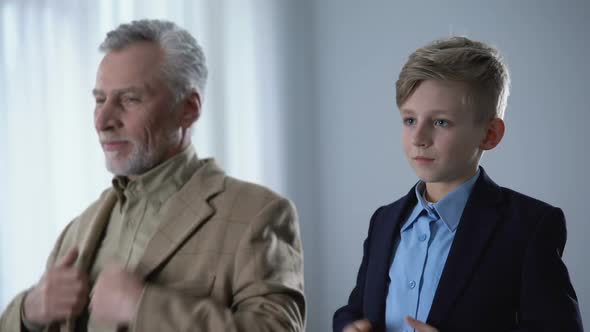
(69, 259)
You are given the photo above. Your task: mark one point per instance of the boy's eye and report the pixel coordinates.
(441, 123)
(409, 121)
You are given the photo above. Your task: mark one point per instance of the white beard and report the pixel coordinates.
(141, 158)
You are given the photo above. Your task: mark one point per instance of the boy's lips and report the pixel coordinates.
(423, 160)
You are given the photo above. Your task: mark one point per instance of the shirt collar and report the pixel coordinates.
(162, 181)
(449, 209)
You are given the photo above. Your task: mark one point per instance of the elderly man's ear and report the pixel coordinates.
(191, 109)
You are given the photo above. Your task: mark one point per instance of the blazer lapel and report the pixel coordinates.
(476, 228)
(383, 237)
(182, 215)
(91, 239)
(99, 218)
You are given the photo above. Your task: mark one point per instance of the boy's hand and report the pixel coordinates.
(419, 326)
(62, 293)
(362, 325)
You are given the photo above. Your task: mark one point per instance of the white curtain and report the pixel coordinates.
(50, 162)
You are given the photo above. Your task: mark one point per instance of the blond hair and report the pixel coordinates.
(460, 59)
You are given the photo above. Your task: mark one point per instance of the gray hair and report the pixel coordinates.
(184, 66)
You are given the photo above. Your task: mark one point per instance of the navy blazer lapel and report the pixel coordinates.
(475, 229)
(382, 238)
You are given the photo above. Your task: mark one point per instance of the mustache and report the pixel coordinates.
(109, 136)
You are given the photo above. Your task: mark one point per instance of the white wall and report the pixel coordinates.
(358, 50)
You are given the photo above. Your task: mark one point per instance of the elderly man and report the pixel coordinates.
(174, 244)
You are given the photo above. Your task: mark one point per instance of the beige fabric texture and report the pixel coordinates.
(227, 257)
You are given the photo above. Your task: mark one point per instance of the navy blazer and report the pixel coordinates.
(504, 270)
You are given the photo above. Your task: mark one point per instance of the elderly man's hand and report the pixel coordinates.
(115, 295)
(362, 325)
(61, 293)
(420, 326)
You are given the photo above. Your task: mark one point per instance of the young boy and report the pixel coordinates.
(459, 252)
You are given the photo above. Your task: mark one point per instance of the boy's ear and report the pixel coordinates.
(191, 109)
(494, 133)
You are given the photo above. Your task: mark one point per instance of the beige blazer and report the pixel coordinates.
(227, 258)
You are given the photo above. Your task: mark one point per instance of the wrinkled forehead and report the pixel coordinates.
(136, 65)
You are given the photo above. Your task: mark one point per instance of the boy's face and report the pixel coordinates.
(440, 136)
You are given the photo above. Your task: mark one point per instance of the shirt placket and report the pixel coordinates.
(424, 236)
(132, 217)
(421, 235)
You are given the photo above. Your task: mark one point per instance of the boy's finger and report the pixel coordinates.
(419, 326)
(363, 325)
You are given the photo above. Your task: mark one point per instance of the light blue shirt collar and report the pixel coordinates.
(450, 208)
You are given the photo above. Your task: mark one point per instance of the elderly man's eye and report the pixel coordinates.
(130, 100)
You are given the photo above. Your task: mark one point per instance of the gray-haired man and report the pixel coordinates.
(174, 244)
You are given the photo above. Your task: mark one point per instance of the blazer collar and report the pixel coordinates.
(183, 213)
(98, 218)
(382, 235)
(476, 228)
(477, 224)
(186, 210)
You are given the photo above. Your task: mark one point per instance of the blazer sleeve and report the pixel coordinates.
(353, 310)
(10, 320)
(267, 285)
(548, 300)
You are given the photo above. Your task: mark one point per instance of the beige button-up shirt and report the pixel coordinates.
(135, 218)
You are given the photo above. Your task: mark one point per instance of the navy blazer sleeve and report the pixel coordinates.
(548, 301)
(353, 310)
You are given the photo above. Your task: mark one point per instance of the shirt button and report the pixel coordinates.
(412, 284)
(422, 237)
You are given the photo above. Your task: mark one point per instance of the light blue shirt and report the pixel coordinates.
(420, 254)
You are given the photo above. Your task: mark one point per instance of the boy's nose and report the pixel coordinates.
(422, 136)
